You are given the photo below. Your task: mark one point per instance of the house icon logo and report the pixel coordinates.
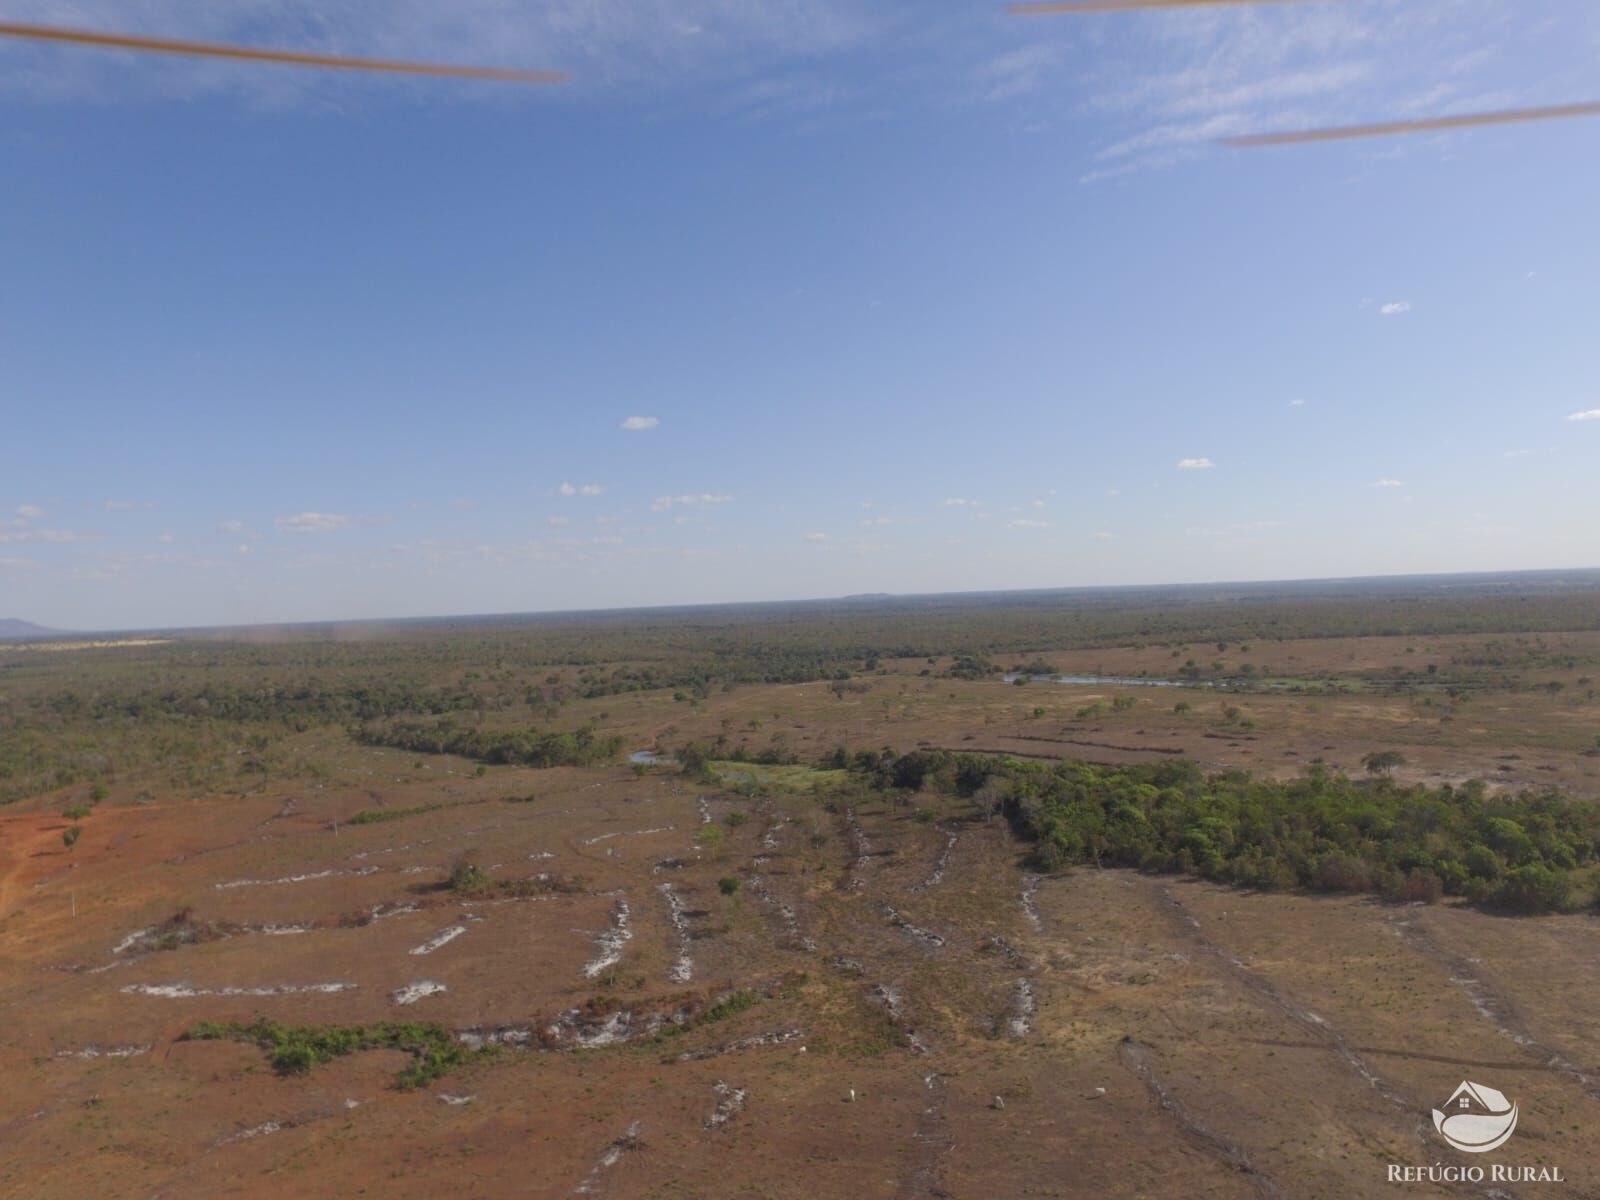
(1476, 1119)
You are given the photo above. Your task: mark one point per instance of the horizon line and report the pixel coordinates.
(53, 634)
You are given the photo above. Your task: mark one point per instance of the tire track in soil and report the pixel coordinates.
(1267, 995)
(1412, 1055)
(932, 1137)
(1493, 1005)
(1137, 1058)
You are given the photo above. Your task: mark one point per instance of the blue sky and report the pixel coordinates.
(904, 297)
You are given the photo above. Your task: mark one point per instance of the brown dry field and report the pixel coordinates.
(1182, 1039)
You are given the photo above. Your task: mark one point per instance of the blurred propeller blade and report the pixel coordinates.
(1038, 8)
(123, 41)
(1509, 116)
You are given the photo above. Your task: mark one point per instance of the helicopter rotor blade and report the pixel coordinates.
(125, 41)
(1509, 116)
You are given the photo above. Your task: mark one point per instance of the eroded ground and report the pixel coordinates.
(912, 1013)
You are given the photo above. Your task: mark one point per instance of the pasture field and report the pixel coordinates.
(390, 912)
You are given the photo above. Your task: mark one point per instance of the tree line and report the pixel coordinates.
(1533, 852)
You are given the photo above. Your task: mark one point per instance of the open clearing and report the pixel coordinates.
(749, 980)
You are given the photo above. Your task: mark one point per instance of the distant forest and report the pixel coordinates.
(205, 706)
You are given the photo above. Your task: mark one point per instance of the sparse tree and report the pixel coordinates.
(1383, 762)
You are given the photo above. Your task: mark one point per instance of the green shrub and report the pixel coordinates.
(467, 877)
(709, 836)
(299, 1049)
(1532, 888)
(1323, 831)
(377, 816)
(728, 884)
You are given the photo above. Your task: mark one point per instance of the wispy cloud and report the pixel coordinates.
(634, 424)
(583, 489)
(691, 500)
(1238, 528)
(1387, 483)
(230, 526)
(1028, 523)
(1173, 84)
(312, 522)
(30, 512)
(48, 537)
(959, 502)
(1195, 464)
(1590, 414)
(1395, 308)
(816, 537)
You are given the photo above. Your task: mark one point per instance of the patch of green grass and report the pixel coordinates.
(377, 816)
(796, 777)
(298, 1049)
(730, 1005)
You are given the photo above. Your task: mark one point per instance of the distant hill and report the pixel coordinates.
(14, 629)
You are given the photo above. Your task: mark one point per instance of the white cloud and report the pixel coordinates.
(690, 499)
(587, 489)
(1297, 404)
(1518, 453)
(312, 522)
(1395, 307)
(816, 537)
(241, 548)
(166, 539)
(1387, 483)
(558, 520)
(49, 537)
(1195, 464)
(1592, 414)
(1028, 523)
(120, 505)
(230, 526)
(633, 424)
(1103, 536)
(959, 502)
(30, 512)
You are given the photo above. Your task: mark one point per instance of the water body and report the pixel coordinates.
(1106, 680)
(648, 757)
